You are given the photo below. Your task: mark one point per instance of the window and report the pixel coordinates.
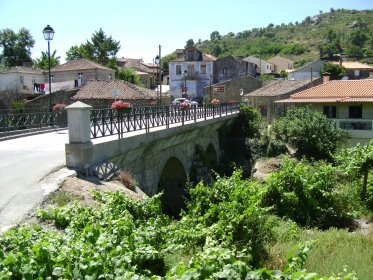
(191, 70)
(203, 69)
(178, 69)
(355, 112)
(22, 79)
(330, 112)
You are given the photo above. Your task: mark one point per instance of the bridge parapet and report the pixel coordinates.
(167, 125)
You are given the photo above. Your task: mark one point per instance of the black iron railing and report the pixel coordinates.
(106, 122)
(15, 122)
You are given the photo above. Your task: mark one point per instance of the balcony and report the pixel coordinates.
(358, 128)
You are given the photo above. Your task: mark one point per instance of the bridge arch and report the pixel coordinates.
(172, 183)
(211, 157)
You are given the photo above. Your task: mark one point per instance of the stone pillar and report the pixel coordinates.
(79, 150)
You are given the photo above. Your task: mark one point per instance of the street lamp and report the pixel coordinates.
(158, 61)
(184, 88)
(48, 33)
(210, 87)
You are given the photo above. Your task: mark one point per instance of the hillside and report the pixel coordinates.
(338, 31)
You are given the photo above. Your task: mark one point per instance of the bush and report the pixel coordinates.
(310, 132)
(306, 193)
(248, 123)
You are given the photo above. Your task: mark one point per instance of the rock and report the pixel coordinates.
(264, 167)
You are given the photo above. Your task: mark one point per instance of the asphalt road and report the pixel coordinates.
(30, 167)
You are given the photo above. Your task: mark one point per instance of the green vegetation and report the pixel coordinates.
(16, 46)
(326, 34)
(43, 61)
(336, 71)
(100, 49)
(309, 132)
(128, 74)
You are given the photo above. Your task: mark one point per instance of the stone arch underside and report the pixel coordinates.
(172, 183)
(211, 157)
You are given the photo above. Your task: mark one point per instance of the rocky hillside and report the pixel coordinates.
(338, 31)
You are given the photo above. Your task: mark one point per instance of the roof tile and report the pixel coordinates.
(104, 90)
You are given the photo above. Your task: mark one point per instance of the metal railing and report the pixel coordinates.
(15, 122)
(107, 122)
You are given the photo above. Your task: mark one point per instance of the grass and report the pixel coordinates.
(62, 198)
(334, 252)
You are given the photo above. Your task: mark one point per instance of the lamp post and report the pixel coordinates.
(158, 61)
(184, 88)
(48, 33)
(210, 87)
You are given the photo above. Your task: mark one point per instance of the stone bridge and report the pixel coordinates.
(160, 160)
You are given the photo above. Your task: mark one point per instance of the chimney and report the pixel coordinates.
(325, 77)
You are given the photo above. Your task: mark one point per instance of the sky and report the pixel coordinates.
(142, 25)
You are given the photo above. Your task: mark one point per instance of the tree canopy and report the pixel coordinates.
(336, 71)
(16, 46)
(100, 49)
(43, 61)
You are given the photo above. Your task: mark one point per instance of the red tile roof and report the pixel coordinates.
(334, 91)
(104, 90)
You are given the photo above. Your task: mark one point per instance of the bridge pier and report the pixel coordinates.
(79, 150)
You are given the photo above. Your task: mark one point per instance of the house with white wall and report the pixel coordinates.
(190, 73)
(20, 79)
(308, 71)
(348, 103)
(262, 66)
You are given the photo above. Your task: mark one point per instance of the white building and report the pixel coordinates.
(190, 73)
(21, 79)
(308, 71)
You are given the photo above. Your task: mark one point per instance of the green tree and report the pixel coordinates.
(214, 36)
(248, 123)
(189, 43)
(129, 75)
(100, 49)
(16, 46)
(43, 61)
(331, 45)
(76, 52)
(336, 71)
(166, 60)
(310, 132)
(357, 161)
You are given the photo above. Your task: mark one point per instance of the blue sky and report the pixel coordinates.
(142, 25)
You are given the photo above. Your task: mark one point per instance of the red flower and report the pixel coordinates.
(119, 105)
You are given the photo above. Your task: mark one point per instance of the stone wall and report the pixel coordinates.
(230, 67)
(232, 89)
(58, 97)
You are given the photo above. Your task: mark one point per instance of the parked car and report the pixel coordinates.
(178, 101)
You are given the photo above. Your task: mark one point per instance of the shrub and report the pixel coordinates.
(310, 132)
(306, 193)
(248, 123)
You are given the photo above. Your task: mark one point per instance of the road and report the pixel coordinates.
(30, 167)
